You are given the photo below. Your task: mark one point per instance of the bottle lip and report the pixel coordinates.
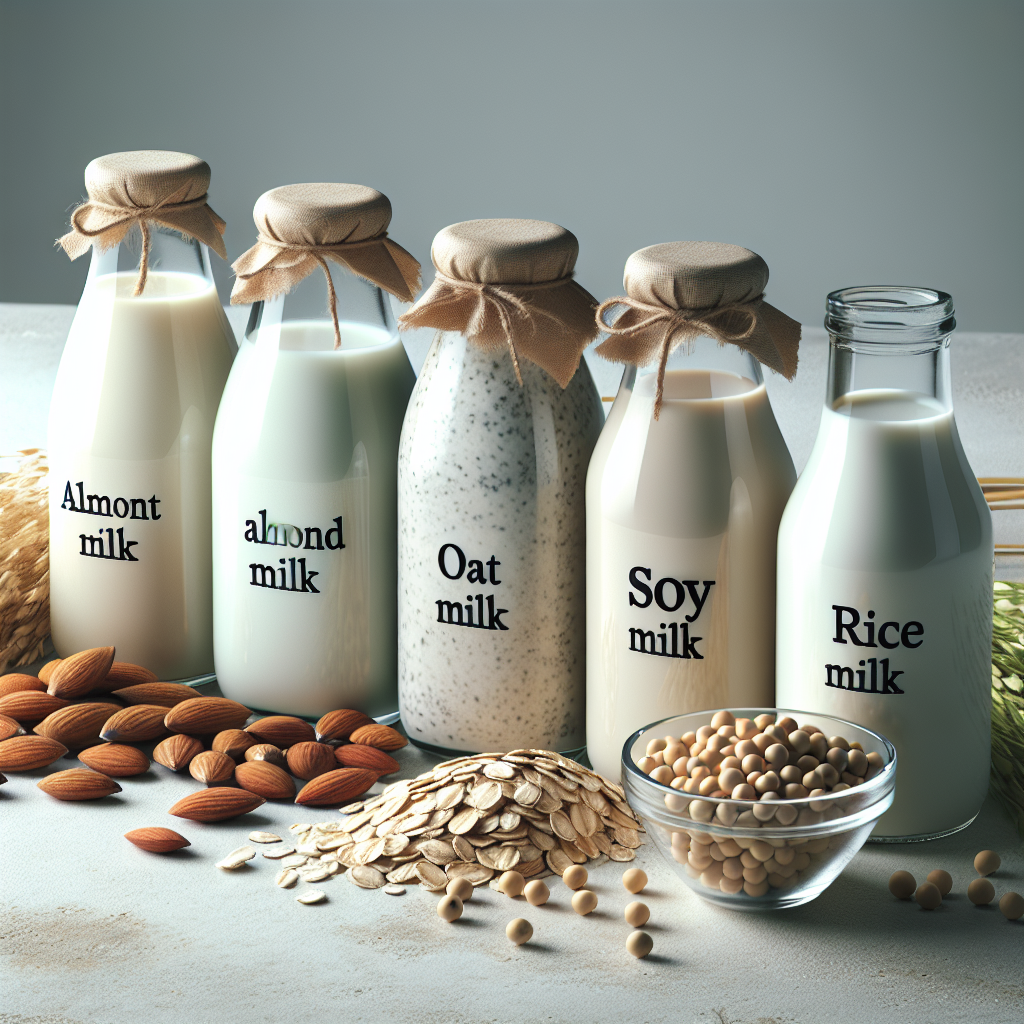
(889, 317)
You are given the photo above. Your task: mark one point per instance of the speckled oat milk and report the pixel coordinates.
(491, 543)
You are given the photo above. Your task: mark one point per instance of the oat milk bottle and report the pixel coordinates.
(885, 559)
(305, 458)
(492, 471)
(684, 495)
(132, 417)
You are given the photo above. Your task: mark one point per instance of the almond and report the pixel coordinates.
(118, 760)
(18, 682)
(265, 780)
(135, 724)
(338, 725)
(157, 840)
(217, 804)
(211, 766)
(25, 753)
(28, 706)
(334, 788)
(47, 670)
(78, 784)
(77, 675)
(383, 737)
(205, 716)
(266, 752)
(9, 727)
(176, 752)
(355, 755)
(234, 743)
(281, 730)
(308, 760)
(124, 674)
(77, 725)
(167, 695)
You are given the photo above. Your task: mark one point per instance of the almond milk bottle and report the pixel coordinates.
(684, 495)
(885, 559)
(131, 419)
(305, 458)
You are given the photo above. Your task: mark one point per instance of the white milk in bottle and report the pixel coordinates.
(492, 472)
(305, 460)
(684, 497)
(131, 421)
(885, 559)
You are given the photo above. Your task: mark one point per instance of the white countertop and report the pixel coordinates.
(94, 930)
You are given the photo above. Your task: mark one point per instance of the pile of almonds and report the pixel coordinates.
(103, 709)
(474, 817)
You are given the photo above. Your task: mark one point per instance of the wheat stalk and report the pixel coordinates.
(24, 561)
(1008, 698)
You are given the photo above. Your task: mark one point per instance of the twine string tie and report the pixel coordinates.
(681, 324)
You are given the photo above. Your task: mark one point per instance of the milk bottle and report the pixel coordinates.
(304, 459)
(492, 470)
(684, 496)
(885, 559)
(132, 417)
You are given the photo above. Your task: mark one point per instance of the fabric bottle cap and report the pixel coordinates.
(694, 275)
(505, 251)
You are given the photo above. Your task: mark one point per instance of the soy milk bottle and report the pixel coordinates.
(305, 458)
(132, 417)
(492, 470)
(886, 559)
(684, 495)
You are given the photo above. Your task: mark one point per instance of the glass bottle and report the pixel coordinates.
(885, 558)
(305, 503)
(130, 428)
(682, 518)
(492, 478)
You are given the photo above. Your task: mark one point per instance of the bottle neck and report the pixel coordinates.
(364, 311)
(889, 339)
(702, 355)
(170, 253)
(924, 374)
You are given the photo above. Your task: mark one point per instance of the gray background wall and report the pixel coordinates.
(847, 142)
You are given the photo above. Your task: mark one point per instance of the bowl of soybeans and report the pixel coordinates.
(758, 808)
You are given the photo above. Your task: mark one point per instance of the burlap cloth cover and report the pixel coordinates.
(303, 226)
(678, 291)
(143, 185)
(508, 283)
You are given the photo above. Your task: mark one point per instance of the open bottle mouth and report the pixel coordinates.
(889, 318)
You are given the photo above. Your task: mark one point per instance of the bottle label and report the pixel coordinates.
(290, 573)
(480, 610)
(108, 542)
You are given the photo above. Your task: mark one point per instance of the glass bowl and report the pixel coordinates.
(731, 857)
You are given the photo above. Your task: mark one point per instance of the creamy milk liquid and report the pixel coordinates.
(305, 513)
(492, 553)
(682, 516)
(886, 545)
(129, 443)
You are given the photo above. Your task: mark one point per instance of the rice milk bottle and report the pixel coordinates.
(684, 496)
(131, 421)
(885, 559)
(305, 462)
